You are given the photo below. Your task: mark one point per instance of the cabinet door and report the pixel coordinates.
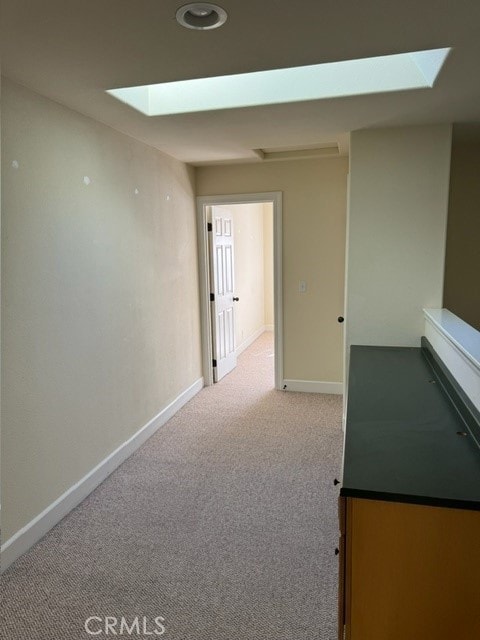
(341, 566)
(412, 572)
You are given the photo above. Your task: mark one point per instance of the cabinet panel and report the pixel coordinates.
(341, 566)
(413, 572)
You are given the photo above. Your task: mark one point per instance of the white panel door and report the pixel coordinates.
(223, 299)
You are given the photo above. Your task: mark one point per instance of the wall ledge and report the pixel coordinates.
(458, 345)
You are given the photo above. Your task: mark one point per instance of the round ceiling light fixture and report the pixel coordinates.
(201, 15)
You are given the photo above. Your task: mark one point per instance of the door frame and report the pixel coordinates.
(275, 197)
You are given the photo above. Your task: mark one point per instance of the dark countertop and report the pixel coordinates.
(401, 441)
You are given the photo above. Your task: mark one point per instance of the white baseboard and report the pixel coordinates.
(250, 340)
(269, 327)
(313, 386)
(21, 541)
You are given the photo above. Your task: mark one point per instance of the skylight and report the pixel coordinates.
(382, 74)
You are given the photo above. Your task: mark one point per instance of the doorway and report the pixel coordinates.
(211, 323)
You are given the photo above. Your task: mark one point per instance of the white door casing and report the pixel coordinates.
(222, 280)
(204, 204)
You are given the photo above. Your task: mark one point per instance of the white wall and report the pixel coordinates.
(100, 296)
(398, 202)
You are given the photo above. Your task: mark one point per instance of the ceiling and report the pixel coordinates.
(73, 50)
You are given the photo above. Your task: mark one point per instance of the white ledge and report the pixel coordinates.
(458, 345)
(461, 334)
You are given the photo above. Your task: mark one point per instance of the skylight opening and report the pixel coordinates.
(382, 74)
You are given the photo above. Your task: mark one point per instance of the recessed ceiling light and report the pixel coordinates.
(201, 15)
(399, 72)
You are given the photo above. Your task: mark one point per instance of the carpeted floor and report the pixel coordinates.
(224, 523)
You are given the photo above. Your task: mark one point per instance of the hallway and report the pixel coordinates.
(224, 524)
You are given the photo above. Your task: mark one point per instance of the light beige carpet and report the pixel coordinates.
(223, 523)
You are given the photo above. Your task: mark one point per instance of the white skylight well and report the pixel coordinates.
(382, 74)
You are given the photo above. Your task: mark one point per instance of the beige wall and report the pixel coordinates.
(462, 266)
(397, 222)
(314, 203)
(100, 296)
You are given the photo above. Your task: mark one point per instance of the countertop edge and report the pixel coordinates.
(426, 501)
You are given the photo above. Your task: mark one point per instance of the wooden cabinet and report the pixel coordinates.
(410, 500)
(408, 571)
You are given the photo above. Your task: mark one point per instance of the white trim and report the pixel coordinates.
(203, 202)
(458, 346)
(31, 533)
(250, 340)
(204, 284)
(313, 386)
(346, 346)
(269, 327)
(462, 335)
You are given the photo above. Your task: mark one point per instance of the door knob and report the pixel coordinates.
(236, 299)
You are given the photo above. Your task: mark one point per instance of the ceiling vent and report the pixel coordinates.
(321, 150)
